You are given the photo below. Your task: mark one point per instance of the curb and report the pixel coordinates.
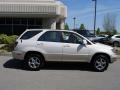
(5, 54)
(2, 53)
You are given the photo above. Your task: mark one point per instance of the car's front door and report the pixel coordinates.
(50, 43)
(73, 48)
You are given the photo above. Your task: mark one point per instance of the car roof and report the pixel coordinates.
(44, 30)
(117, 35)
(49, 30)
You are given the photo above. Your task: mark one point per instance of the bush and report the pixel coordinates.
(4, 39)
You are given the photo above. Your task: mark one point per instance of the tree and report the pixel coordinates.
(98, 31)
(82, 27)
(109, 23)
(114, 32)
(66, 27)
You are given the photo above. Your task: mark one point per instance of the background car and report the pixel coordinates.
(102, 35)
(104, 39)
(115, 40)
(86, 33)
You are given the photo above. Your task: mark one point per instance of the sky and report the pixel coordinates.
(83, 10)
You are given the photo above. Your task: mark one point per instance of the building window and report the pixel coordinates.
(38, 21)
(16, 21)
(31, 21)
(8, 20)
(2, 20)
(24, 21)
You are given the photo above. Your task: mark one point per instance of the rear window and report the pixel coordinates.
(29, 34)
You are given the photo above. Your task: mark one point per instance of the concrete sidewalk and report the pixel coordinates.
(4, 52)
(1, 45)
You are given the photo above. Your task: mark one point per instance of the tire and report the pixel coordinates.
(34, 62)
(100, 63)
(115, 44)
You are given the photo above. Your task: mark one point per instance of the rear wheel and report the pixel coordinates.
(34, 62)
(100, 63)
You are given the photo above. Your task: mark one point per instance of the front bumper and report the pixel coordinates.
(18, 55)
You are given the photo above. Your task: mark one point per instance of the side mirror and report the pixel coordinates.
(84, 42)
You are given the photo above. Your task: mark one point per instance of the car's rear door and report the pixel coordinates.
(50, 42)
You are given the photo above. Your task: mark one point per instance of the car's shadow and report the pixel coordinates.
(17, 64)
(14, 64)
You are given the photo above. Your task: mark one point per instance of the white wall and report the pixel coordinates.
(24, 0)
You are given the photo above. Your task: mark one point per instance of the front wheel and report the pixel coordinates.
(34, 62)
(100, 63)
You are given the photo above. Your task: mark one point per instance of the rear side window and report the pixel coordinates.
(51, 36)
(29, 34)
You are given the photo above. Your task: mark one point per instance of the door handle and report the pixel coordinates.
(40, 44)
(66, 45)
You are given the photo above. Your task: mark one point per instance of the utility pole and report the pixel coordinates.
(74, 22)
(95, 16)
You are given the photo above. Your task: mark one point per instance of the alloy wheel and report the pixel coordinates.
(100, 63)
(34, 62)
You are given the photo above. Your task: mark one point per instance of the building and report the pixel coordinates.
(18, 15)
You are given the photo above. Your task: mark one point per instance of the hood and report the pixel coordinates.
(91, 38)
(102, 46)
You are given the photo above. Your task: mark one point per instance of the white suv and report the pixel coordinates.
(36, 46)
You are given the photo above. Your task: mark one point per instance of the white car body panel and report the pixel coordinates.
(75, 52)
(52, 50)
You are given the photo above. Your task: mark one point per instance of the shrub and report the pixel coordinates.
(4, 39)
(12, 39)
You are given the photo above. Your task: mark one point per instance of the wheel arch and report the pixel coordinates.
(116, 42)
(100, 54)
(34, 52)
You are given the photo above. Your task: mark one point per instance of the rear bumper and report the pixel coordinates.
(18, 55)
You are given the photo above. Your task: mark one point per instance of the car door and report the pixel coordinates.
(50, 42)
(73, 48)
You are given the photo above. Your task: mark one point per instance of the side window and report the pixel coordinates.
(71, 38)
(51, 36)
(117, 36)
(29, 34)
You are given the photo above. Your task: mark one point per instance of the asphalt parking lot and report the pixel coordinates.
(60, 76)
